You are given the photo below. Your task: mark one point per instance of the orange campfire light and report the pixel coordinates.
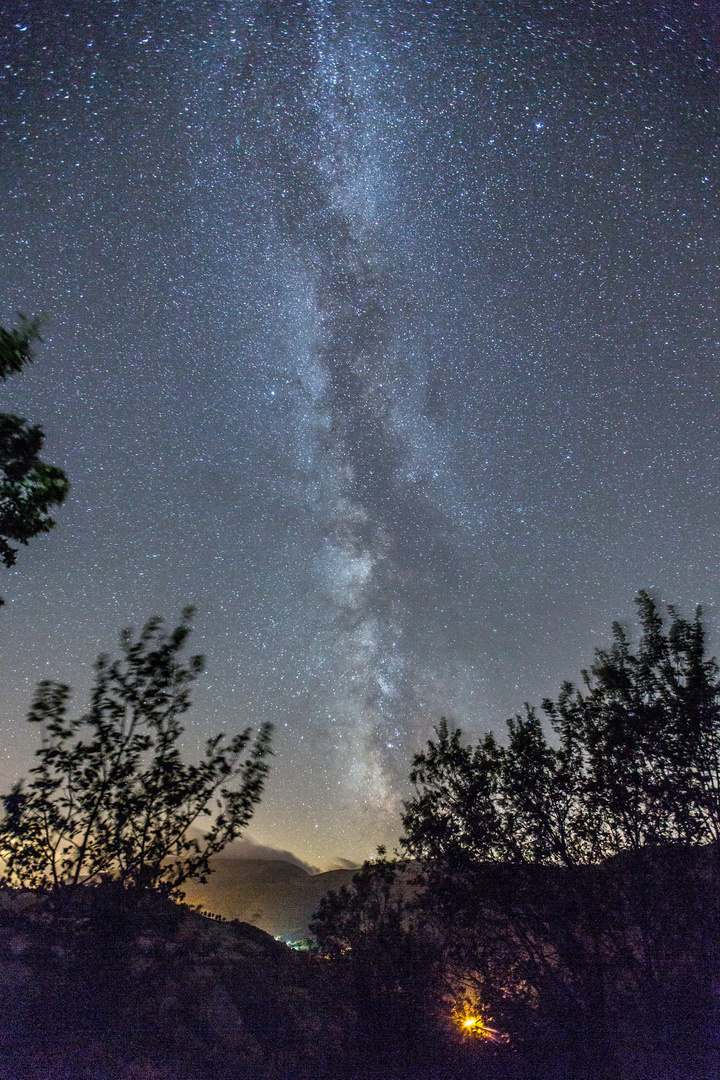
(472, 1024)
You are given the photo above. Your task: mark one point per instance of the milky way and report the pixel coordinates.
(384, 332)
(371, 454)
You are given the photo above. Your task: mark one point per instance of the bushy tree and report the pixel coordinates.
(648, 724)
(28, 486)
(561, 886)
(352, 914)
(635, 760)
(455, 810)
(386, 968)
(110, 796)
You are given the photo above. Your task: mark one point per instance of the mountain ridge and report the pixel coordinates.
(277, 896)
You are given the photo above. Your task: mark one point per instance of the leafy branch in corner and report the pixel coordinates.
(28, 486)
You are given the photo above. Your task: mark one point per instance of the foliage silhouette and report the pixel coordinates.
(110, 796)
(28, 486)
(368, 935)
(635, 762)
(16, 345)
(566, 887)
(102, 981)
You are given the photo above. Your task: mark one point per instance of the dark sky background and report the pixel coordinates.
(385, 333)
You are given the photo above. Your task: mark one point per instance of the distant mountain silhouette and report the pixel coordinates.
(279, 897)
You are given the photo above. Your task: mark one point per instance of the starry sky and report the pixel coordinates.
(384, 332)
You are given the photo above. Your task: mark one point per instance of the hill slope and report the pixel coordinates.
(279, 897)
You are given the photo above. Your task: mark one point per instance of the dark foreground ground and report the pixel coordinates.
(102, 984)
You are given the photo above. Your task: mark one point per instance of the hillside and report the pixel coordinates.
(102, 983)
(279, 897)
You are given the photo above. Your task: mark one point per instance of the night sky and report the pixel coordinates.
(383, 332)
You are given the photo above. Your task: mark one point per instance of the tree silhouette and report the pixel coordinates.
(564, 883)
(28, 486)
(110, 796)
(635, 761)
(16, 345)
